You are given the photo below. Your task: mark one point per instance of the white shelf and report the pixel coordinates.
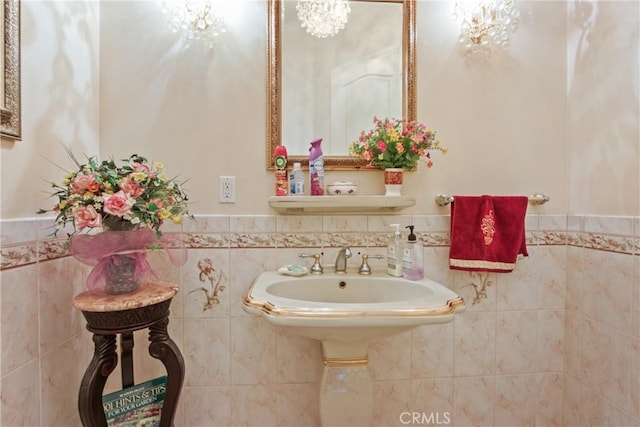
(338, 204)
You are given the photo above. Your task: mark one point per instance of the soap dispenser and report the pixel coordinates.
(394, 253)
(412, 268)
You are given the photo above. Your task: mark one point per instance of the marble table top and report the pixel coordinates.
(148, 294)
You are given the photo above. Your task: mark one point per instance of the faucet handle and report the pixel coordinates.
(364, 267)
(316, 268)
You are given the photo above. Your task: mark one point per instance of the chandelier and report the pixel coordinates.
(323, 18)
(198, 19)
(487, 22)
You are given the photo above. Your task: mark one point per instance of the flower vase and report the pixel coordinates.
(120, 275)
(393, 181)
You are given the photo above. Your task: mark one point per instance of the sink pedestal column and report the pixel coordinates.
(346, 389)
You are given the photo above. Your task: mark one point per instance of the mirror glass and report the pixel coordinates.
(332, 87)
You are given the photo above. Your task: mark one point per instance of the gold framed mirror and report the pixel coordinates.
(10, 110)
(275, 111)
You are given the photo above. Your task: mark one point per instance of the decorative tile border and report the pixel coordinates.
(262, 231)
(18, 255)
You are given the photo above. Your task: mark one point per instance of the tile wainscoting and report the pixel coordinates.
(556, 342)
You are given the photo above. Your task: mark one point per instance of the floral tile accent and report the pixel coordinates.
(213, 283)
(608, 242)
(477, 284)
(378, 239)
(206, 240)
(52, 249)
(435, 239)
(345, 239)
(258, 231)
(299, 240)
(252, 240)
(552, 238)
(575, 238)
(635, 245)
(205, 278)
(18, 255)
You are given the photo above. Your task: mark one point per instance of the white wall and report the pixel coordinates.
(203, 112)
(603, 123)
(60, 101)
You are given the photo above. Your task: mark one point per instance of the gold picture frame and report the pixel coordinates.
(10, 109)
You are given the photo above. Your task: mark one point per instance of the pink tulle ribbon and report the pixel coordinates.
(113, 247)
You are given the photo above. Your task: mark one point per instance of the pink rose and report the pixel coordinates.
(117, 204)
(87, 216)
(140, 167)
(81, 183)
(382, 146)
(130, 187)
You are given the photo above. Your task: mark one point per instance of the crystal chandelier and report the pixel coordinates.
(323, 18)
(487, 22)
(198, 19)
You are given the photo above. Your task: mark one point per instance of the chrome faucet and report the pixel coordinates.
(341, 260)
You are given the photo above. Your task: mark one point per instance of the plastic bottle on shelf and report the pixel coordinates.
(394, 253)
(316, 168)
(280, 164)
(296, 180)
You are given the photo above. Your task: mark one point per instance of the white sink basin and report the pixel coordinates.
(330, 305)
(345, 312)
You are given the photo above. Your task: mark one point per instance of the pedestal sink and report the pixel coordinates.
(345, 312)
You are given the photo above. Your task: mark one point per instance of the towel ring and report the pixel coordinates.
(534, 199)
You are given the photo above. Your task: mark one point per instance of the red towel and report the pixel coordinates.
(487, 232)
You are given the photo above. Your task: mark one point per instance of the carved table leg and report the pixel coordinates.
(104, 361)
(126, 359)
(162, 347)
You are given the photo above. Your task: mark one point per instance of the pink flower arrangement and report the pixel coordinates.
(104, 195)
(395, 143)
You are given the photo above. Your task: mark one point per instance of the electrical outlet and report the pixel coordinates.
(227, 189)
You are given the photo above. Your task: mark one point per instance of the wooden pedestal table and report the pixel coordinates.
(111, 315)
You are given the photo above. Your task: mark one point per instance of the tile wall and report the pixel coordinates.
(556, 342)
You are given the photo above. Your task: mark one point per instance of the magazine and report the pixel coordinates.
(136, 406)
